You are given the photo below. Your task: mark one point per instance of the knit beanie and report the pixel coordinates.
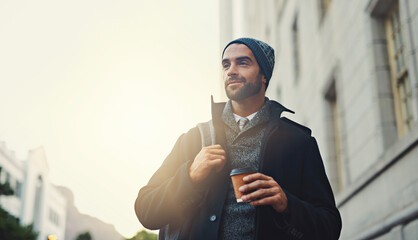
(264, 54)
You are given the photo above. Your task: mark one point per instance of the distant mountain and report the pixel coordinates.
(78, 223)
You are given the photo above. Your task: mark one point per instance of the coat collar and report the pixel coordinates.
(217, 109)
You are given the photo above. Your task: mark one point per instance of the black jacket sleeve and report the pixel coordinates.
(312, 214)
(169, 195)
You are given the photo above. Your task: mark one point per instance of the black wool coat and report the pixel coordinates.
(181, 210)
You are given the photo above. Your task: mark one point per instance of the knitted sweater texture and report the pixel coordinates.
(244, 147)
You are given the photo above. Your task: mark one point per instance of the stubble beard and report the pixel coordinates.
(247, 90)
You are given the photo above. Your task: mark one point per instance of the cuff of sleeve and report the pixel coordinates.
(191, 191)
(284, 220)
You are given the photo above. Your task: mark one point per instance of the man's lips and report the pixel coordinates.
(234, 82)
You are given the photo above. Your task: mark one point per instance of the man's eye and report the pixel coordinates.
(243, 63)
(225, 65)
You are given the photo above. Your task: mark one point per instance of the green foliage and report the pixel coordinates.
(10, 229)
(84, 236)
(144, 235)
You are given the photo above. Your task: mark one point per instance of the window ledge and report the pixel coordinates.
(390, 157)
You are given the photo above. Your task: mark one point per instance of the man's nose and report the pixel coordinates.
(232, 70)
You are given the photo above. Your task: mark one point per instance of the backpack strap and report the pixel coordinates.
(207, 133)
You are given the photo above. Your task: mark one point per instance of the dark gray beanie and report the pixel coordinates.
(263, 53)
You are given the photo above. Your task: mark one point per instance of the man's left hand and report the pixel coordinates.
(261, 189)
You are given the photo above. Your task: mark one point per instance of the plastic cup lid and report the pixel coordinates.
(237, 171)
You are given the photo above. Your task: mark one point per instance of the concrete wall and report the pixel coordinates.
(379, 193)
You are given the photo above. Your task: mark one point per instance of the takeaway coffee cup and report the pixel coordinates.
(237, 175)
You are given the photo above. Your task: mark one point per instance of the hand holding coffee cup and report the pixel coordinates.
(237, 176)
(259, 189)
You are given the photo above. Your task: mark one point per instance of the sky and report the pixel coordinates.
(106, 88)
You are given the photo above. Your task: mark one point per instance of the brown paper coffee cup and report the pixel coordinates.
(237, 175)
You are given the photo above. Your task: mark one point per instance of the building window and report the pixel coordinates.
(323, 7)
(295, 40)
(18, 189)
(12, 184)
(334, 123)
(401, 85)
(53, 217)
(7, 177)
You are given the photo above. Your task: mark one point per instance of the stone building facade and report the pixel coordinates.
(35, 200)
(349, 69)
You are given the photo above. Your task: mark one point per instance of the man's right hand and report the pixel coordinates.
(208, 158)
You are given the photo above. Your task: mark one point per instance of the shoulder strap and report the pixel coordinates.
(207, 133)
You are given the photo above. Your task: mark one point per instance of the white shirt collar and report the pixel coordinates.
(249, 117)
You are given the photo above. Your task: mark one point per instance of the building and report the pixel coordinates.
(350, 71)
(35, 199)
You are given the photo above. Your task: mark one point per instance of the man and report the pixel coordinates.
(191, 195)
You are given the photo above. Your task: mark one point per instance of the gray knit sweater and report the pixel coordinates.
(238, 219)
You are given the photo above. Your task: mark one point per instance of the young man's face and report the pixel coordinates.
(241, 73)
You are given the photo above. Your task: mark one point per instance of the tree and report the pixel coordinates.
(10, 229)
(144, 235)
(84, 236)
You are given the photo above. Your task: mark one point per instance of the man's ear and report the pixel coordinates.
(264, 79)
